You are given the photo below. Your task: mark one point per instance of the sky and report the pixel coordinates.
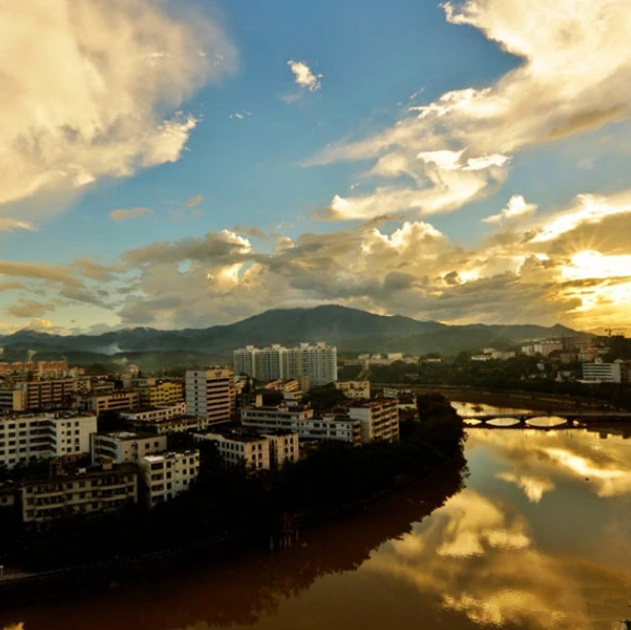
(189, 163)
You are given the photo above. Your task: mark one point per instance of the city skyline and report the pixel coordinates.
(184, 165)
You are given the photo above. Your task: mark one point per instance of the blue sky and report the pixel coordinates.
(182, 172)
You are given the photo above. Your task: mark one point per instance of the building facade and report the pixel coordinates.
(239, 447)
(301, 420)
(115, 401)
(97, 489)
(165, 393)
(379, 419)
(155, 414)
(28, 438)
(615, 372)
(355, 390)
(166, 475)
(315, 362)
(125, 446)
(211, 394)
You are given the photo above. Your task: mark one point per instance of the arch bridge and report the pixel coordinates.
(568, 418)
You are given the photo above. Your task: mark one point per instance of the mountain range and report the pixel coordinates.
(352, 330)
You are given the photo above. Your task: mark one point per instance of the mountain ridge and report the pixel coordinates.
(349, 328)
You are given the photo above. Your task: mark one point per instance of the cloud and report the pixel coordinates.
(572, 266)
(9, 225)
(457, 149)
(95, 271)
(39, 271)
(82, 109)
(194, 201)
(30, 308)
(517, 208)
(131, 213)
(304, 77)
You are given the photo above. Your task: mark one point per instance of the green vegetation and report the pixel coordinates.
(325, 397)
(520, 373)
(228, 501)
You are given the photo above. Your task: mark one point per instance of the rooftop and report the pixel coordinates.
(152, 459)
(236, 435)
(128, 435)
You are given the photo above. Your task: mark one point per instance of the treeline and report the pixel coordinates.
(227, 501)
(520, 373)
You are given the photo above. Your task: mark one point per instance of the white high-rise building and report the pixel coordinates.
(246, 360)
(317, 363)
(211, 394)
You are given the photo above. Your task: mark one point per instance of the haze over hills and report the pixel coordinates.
(352, 330)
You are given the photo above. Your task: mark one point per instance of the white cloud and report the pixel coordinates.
(574, 77)
(132, 213)
(9, 225)
(516, 208)
(304, 77)
(77, 108)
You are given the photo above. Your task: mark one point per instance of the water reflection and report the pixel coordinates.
(546, 421)
(503, 422)
(471, 410)
(539, 540)
(554, 564)
(245, 591)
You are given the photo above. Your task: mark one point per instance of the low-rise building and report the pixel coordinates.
(26, 438)
(600, 372)
(114, 401)
(78, 490)
(284, 447)
(355, 390)
(155, 413)
(168, 474)
(161, 393)
(179, 424)
(379, 419)
(125, 446)
(300, 419)
(335, 426)
(241, 447)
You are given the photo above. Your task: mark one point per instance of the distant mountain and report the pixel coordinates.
(352, 330)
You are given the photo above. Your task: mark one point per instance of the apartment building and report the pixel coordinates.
(211, 394)
(616, 372)
(113, 401)
(379, 419)
(284, 446)
(179, 424)
(355, 390)
(159, 394)
(168, 474)
(155, 413)
(28, 438)
(301, 420)
(12, 400)
(240, 447)
(317, 362)
(125, 446)
(245, 360)
(78, 490)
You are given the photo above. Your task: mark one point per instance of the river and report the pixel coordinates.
(539, 537)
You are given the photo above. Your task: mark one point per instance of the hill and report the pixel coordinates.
(352, 330)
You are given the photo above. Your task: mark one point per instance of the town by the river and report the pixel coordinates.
(537, 536)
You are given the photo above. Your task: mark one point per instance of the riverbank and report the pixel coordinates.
(505, 399)
(19, 589)
(229, 510)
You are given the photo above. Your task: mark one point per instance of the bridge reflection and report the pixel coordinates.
(538, 420)
(520, 422)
